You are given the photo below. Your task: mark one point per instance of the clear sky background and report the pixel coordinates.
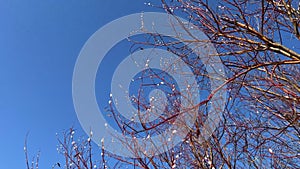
(39, 44)
(40, 41)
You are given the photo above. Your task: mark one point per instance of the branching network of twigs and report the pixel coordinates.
(258, 42)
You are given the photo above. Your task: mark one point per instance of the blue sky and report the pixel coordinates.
(39, 44)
